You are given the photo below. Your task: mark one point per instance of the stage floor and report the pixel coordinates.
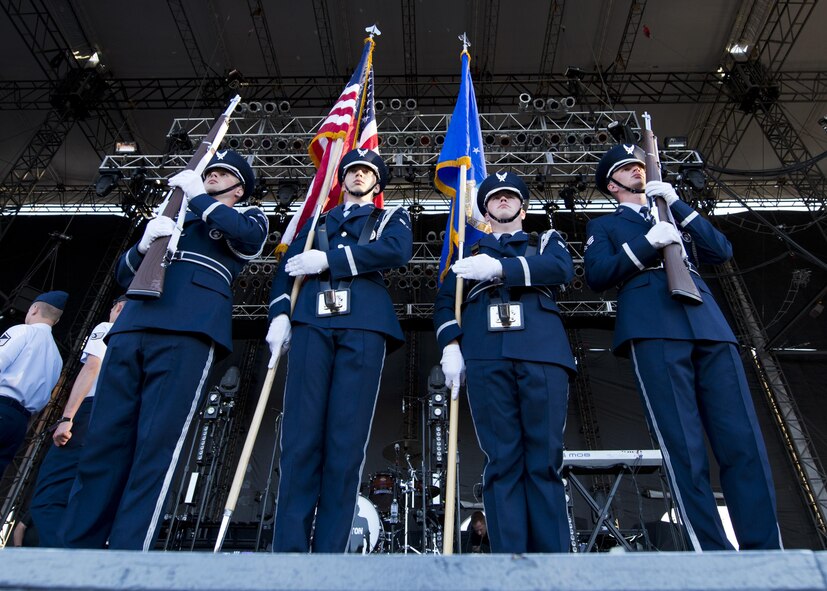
(56, 570)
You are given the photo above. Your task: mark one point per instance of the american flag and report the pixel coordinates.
(352, 118)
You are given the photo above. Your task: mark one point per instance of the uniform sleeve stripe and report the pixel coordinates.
(688, 219)
(283, 296)
(526, 270)
(351, 261)
(129, 263)
(209, 210)
(632, 256)
(444, 326)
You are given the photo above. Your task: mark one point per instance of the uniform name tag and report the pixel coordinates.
(330, 302)
(508, 316)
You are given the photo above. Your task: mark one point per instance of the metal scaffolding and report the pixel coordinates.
(806, 464)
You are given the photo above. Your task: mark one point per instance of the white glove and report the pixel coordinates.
(663, 234)
(190, 182)
(453, 366)
(156, 228)
(311, 262)
(278, 337)
(480, 267)
(661, 189)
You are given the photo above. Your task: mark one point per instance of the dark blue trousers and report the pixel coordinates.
(331, 392)
(694, 387)
(148, 391)
(14, 422)
(55, 478)
(519, 412)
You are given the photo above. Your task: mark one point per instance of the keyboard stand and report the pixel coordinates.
(603, 512)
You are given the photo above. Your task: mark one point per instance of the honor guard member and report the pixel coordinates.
(30, 366)
(57, 472)
(342, 324)
(160, 354)
(685, 356)
(518, 367)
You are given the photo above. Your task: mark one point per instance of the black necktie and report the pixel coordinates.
(504, 238)
(644, 211)
(353, 207)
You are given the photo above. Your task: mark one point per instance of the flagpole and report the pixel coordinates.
(264, 396)
(453, 413)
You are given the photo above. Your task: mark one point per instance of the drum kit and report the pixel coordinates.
(397, 511)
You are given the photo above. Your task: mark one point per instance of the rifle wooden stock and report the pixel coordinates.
(678, 278)
(148, 283)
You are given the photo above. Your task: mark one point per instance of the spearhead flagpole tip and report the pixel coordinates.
(465, 43)
(373, 30)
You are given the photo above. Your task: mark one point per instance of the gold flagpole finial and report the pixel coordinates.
(373, 30)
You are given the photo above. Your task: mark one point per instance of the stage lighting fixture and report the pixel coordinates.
(410, 104)
(126, 147)
(395, 104)
(234, 142)
(439, 139)
(270, 107)
(567, 194)
(286, 193)
(249, 143)
(677, 142)
(540, 181)
(234, 78)
(266, 143)
(281, 145)
(284, 107)
(620, 132)
(568, 102)
(379, 106)
(254, 107)
(823, 122)
(573, 73)
(552, 104)
(179, 141)
(107, 181)
(524, 101)
(539, 104)
(693, 176)
(410, 171)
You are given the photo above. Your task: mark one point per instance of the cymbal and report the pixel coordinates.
(409, 446)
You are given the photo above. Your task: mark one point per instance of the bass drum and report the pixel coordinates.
(366, 533)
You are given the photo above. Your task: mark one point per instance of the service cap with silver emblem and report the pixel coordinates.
(235, 163)
(501, 181)
(617, 157)
(367, 158)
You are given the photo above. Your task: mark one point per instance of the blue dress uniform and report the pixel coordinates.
(159, 356)
(517, 383)
(59, 467)
(30, 366)
(689, 375)
(334, 368)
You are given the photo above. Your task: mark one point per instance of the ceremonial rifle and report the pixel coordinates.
(148, 283)
(675, 261)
